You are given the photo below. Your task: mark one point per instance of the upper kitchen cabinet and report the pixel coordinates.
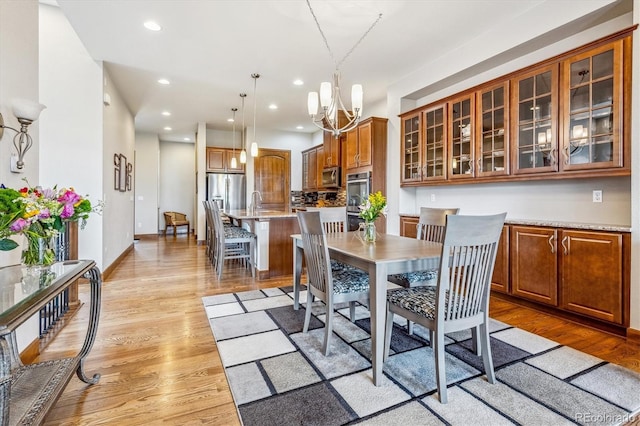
(492, 148)
(309, 169)
(411, 149)
(219, 161)
(332, 150)
(592, 92)
(535, 121)
(424, 149)
(367, 139)
(461, 137)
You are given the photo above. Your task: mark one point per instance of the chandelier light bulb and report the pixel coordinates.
(234, 162)
(254, 149)
(325, 94)
(312, 103)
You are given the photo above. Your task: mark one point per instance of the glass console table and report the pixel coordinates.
(27, 392)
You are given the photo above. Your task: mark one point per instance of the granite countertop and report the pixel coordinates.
(558, 224)
(260, 214)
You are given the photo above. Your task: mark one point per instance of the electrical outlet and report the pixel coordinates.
(597, 196)
(433, 197)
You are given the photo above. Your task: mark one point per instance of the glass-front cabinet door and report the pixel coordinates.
(461, 137)
(492, 151)
(435, 150)
(592, 94)
(411, 153)
(535, 113)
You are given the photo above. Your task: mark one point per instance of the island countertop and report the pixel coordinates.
(259, 214)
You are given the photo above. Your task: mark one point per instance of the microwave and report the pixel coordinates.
(331, 177)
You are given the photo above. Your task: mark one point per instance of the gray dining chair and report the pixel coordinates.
(430, 228)
(460, 300)
(330, 285)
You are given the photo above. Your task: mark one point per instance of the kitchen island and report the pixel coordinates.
(274, 247)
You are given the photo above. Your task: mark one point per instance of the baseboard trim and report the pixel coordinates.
(109, 269)
(31, 352)
(633, 335)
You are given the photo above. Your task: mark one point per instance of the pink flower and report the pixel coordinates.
(44, 214)
(69, 197)
(19, 225)
(67, 211)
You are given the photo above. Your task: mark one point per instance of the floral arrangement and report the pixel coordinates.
(373, 207)
(37, 214)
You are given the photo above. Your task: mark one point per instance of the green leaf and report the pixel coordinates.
(7, 244)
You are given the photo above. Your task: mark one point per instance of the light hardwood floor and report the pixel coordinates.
(157, 356)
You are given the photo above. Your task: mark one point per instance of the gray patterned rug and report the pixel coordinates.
(278, 375)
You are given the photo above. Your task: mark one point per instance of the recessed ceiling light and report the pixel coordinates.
(230, 120)
(299, 127)
(164, 81)
(166, 113)
(152, 26)
(298, 82)
(168, 128)
(187, 139)
(273, 106)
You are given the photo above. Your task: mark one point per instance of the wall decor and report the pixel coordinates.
(121, 173)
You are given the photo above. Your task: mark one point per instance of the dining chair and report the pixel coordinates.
(460, 300)
(331, 286)
(430, 228)
(231, 242)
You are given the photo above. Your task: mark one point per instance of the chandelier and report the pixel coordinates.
(330, 99)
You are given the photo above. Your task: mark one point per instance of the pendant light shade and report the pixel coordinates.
(254, 144)
(243, 153)
(234, 162)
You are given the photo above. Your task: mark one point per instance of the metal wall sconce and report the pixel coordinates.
(26, 112)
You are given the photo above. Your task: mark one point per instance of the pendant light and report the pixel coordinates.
(254, 144)
(243, 153)
(234, 162)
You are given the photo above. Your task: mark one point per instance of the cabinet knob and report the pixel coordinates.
(565, 152)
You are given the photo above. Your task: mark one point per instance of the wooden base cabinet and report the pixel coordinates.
(576, 271)
(591, 267)
(500, 277)
(534, 264)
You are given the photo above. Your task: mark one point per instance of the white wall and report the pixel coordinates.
(119, 138)
(71, 126)
(146, 194)
(177, 180)
(18, 79)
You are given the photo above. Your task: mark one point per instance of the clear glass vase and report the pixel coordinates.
(39, 252)
(369, 232)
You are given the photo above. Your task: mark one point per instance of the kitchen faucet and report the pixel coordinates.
(253, 205)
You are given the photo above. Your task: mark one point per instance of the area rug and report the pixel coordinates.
(279, 376)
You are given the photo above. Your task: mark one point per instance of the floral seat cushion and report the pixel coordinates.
(412, 279)
(350, 280)
(419, 300)
(237, 232)
(337, 266)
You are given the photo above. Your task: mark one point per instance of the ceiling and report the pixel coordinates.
(208, 50)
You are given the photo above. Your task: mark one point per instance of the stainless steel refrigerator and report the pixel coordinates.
(228, 190)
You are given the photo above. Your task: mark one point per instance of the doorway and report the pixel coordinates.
(272, 168)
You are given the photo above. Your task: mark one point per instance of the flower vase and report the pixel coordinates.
(38, 253)
(369, 232)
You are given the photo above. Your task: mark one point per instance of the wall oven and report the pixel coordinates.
(358, 188)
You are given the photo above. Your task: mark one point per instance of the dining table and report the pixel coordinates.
(389, 254)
